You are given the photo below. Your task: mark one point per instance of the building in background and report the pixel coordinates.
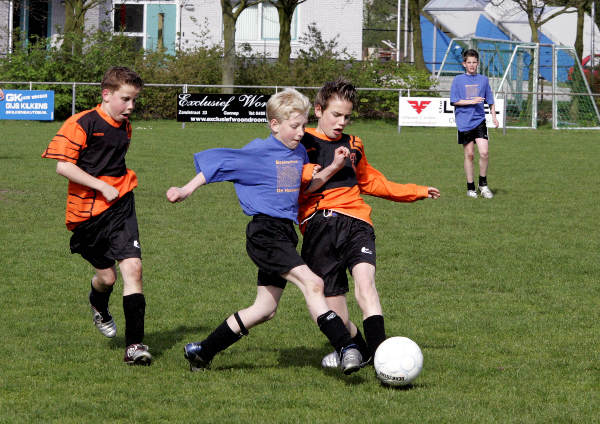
(183, 24)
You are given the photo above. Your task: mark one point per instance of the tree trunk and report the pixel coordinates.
(228, 74)
(285, 25)
(579, 36)
(415, 7)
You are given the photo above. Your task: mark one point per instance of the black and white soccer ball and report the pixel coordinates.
(398, 361)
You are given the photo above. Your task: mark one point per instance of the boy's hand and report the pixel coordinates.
(316, 169)
(175, 194)
(109, 192)
(339, 157)
(496, 123)
(433, 193)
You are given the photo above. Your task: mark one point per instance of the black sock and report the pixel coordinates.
(471, 185)
(134, 307)
(359, 341)
(220, 339)
(482, 181)
(333, 327)
(374, 332)
(99, 300)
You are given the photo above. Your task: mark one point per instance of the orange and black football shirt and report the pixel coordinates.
(97, 144)
(342, 192)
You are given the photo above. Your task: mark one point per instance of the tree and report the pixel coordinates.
(414, 11)
(285, 10)
(583, 7)
(74, 29)
(379, 22)
(231, 10)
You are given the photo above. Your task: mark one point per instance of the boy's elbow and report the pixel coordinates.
(61, 168)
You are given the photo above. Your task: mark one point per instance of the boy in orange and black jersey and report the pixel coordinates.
(335, 220)
(90, 149)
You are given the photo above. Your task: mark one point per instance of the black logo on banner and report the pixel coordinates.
(222, 107)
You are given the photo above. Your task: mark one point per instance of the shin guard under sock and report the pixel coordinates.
(220, 339)
(333, 327)
(374, 332)
(99, 300)
(134, 307)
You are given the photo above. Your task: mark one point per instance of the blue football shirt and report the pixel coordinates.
(465, 87)
(265, 173)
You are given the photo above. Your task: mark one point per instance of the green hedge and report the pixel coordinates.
(318, 61)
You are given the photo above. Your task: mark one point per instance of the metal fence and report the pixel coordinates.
(562, 109)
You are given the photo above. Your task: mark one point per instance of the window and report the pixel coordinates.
(129, 19)
(261, 23)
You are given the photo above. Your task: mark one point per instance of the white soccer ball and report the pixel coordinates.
(398, 361)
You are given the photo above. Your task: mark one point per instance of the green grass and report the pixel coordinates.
(502, 295)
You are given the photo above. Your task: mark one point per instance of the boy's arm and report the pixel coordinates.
(465, 102)
(77, 175)
(178, 194)
(493, 112)
(323, 175)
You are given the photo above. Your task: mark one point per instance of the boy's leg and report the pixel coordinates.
(134, 308)
(100, 291)
(328, 321)
(339, 305)
(263, 309)
(200, 354)
(469, 153)
(483, 147)
(368, 300)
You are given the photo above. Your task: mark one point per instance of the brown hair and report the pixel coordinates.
(117, 76)
(340, 88)
(470, 53)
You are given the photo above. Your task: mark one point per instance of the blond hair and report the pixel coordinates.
(283, 104)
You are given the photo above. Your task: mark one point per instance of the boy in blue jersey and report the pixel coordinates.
(267, 176)
(467, 94)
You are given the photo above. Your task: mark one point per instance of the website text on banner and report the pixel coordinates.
(222, 107)
(437, 112)
(31, 105)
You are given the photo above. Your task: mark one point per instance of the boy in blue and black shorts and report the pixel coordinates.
(267, 175)
(468, 93)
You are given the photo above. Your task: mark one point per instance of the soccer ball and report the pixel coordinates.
(398, 361)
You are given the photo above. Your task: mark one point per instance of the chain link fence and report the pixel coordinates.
(562, 106)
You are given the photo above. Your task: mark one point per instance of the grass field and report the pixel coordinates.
(502, 295)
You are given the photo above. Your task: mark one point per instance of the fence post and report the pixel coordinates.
(74, 93)
(399, 100)
(504, 117)
(185, 90)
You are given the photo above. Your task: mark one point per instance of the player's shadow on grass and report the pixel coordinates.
(311, 357)
(161, 341)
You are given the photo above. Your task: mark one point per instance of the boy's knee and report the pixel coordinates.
(315, 285)
(133, 268)
(104, 278)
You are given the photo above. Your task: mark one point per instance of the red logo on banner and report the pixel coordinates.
(418, 106)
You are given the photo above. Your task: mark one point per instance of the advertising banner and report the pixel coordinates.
(32, 105)
(437, 112)
(222, 107)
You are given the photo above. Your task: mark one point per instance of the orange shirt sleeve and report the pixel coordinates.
(374, 183)
(68, 142)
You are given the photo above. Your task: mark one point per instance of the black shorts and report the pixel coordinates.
(334, 243)
(271, 244)
(480, 131)
(109, 237)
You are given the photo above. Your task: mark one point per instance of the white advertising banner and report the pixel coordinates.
(437, 112)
